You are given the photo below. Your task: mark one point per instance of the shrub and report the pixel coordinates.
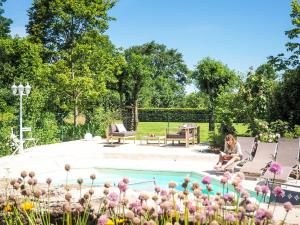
(270, 132)
(173, 115)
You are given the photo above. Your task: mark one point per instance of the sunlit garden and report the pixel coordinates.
(67, 81)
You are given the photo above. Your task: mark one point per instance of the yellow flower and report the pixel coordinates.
(109, 222)
(7, 208)
(118, 221)
(27, 206)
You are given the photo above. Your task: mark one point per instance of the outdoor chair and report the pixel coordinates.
(29, 141)
(288, 157)
(118, 131)
(185, 133)
(248, 145)
(264, 155)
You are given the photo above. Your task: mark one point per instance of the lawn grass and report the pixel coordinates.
(159, 129)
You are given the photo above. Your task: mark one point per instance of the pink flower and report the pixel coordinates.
(113, 196)
(172, 184)
(260, 215)
(239, 188)
(250, 207)
(287, 206)
(122, 186)
(206, 180)
(275, 168)
(245, 194)
(126, 180)
(102, 220)
(230, 217)
(265, 189)
(278, 191)
(157, 189)
(224, 180)
(257, 189)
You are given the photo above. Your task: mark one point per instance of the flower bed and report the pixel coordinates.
(23, 201)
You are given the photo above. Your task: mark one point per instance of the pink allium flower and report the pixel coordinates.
(126, 180)
(113, 196)
(93, 176)
(192, 209)
(241, 216)
(122, 186)
(278, 191)
(157, 189)
(214, 222)
(202, 218)
(245, 194)
(269, 214)
(275, 168)
(224, 180)
(239, 188)
(260, 215)
(187, 179)
(257, 189)
(209, 188)
(287, 206)
(112, 204)
(250, 207)
(102, 220)
(195, 185)
(230, 217)
(129, 214)
(265, 189)
(226, 197)
(163, 193)
(172, 184)
(206, 180)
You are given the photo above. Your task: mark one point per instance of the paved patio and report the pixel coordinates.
(85, 156)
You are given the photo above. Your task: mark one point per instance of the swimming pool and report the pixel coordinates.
(148, 179)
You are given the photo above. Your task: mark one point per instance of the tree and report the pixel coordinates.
(168, 75)
(135, 76)
(285, 102)
(81, 57)
(20, 61)
(293, 46)
(4, 22)
(257, 92)
(212, 77)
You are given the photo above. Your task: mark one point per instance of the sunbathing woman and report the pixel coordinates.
(232, 153)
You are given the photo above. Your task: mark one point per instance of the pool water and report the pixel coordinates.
(148, 179)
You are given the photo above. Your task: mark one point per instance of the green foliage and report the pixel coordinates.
(172, 115)
(213, 78)
(270, 132)
(4, 22)
(82, 59)
(257, 92)
(46, 129)
(193, 100)
(216, 140)
(292, 62)
(168, 75)
(285, 103)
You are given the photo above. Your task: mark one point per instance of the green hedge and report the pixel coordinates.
(173, 115)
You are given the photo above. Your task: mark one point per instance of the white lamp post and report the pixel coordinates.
(19, 90)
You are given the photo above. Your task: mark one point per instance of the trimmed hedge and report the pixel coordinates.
(173, 115)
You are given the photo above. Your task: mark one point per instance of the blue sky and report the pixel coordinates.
(237, 32)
